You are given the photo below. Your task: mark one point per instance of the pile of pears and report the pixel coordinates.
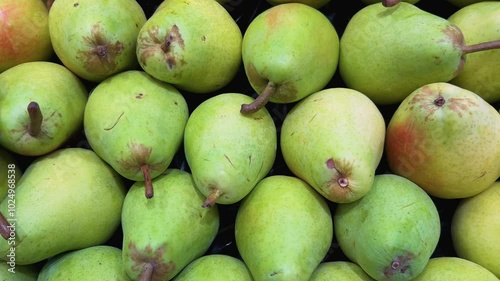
(300, 140)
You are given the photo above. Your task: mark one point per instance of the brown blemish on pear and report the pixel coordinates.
(150, 263)
(152, 42)
(399, 265)
(339, 185)
(100, 54)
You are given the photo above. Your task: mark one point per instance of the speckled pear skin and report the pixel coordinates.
(334, 140)
(388, 52)
(339, 271)
(283, 229)
(101, 262)
(215, 267)
(456, 269)
(229, 151)
(392, 231)
(168, 231)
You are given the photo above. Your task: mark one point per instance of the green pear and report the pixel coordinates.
(334, 140)
(386, 52)
(10, 174)
(104, 42)
(479, 23)
(228, 153)
(25, 33)
(289, 51)
(136, 124)
(193, 44)
(475, 228)
(41, 107)
(392, 231)
(283, 229)
(215, 267)
(369, 2)
(162, 235)
(19, 272)
(100, 262)
(339, 271)
(454, 269)
(66, 200)
(313, 3)
(445, 139)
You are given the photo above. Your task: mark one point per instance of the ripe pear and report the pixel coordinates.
(289, 51)
(11, 172)
(66, 200)
(475, 228)
(334, 140)
(104, 42)
(369, 2)
(479, 22)
(228, 152)
(283, 229)
(162, 235)
(191, 40)
(339, 271)
(136, 124)
(318, 4)
(215, 267)
(392, 231)
(445, 139)
(19, 272)
(41, 107)
(100, 262)
(454, 269)
(386, 52)
(25, 33)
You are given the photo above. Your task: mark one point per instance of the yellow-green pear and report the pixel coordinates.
(10, 174)
(369, 2)
(475, 228)
(66, 200)
(193, 44)
(392, 231)
(334, 139)
(313, 3)
(100, 262)
(162, 235)
(283, 229)
(228, 152)
(289, 51)
(454, 269)
(339, 271)
(479, 23)
(15, 272)
(215, 267)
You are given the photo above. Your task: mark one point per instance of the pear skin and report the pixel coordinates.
(283, 229)
(339, 271)
(318, 4)
(101, 262)
(66, 200)
(15, 272)
(334, 139)
(164, 234)
(228, 152)
(446, 139)
(10, 174)
(454, 269)
(136, 124)
(392, 231)
(479, 217)
(215, 267)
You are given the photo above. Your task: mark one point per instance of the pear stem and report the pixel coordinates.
(147, 272)
(260, 101)
(211, 198)
(4, 227)
(148, 183)
(390, 3)
(36, 117)
(484, 46)
(49, 3)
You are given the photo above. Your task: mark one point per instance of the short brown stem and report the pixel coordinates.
(4, 227)
(211, 198)
(260, 101)
(49, 3)
(36, 117)
(484, 46)
(148, 183)
(147, 272)
(390, 3)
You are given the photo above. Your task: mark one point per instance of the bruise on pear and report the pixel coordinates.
(150, 262)
(167, 44)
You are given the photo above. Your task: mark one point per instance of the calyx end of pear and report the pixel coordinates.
(400, 265)
(339, 187)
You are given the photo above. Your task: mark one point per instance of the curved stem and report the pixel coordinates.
(390, 3)
(260, 101)
(484, 46)
(4, 227)
(147, 272)
(148, 183)
(36, 117)
(212, 197)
